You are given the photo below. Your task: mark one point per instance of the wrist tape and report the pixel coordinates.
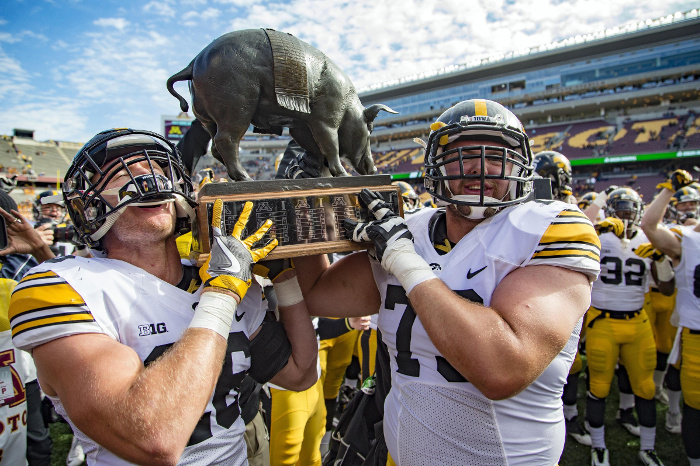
(288, 292)
(401, 260)
(601, 200)
(664, 270)
(215, 311)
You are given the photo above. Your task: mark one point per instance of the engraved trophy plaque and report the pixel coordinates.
(307, 214)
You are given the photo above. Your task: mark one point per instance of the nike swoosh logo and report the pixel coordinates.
(472, 275)
(239, 317)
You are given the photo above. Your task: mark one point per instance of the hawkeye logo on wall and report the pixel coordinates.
(152, 329)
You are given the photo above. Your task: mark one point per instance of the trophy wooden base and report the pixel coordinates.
(307, 214)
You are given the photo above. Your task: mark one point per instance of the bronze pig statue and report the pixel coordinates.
(272, 80)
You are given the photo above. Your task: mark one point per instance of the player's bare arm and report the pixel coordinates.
(134, 411)
(503, 348)
(345, 288)
(300, 371)
(661, 237)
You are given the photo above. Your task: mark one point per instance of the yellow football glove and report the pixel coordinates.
(679, 179)
(611, 224)
(647, 251)
(231, 259)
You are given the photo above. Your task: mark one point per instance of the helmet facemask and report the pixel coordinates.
(627, 210)
(93, 213)
(510, 165)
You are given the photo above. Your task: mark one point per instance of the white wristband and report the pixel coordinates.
(601, 199)
(288, 292)
(410, 269)
(664, 270)
(215, 311)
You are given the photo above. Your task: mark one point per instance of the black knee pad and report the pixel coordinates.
(673, 379)
(623, 380)
(595, 411)
(570, 393)
(646, 411)
(690, 428)
(331, 404)
(661, 360)
(353, 369)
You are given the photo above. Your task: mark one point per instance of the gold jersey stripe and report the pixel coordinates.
(572, 213)
(569, 233)
(480, 107)
(36, 276)
(52, 320)
(34, 298)
(566, 252)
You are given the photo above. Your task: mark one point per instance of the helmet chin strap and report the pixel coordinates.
(475, 212)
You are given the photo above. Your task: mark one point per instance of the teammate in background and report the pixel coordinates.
(13, 398)
(596, 210)
(586, 200)
(682, 245)
(15, 263)
(556, 167)
(144, 363)
(687, 206)
(479, 358)
(618, 327)
(408, 196)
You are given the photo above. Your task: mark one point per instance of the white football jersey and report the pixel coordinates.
(687, 283)
(624, 276)
(14, 371)
(433, 415)
(72, 295)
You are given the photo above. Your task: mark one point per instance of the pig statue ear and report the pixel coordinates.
(370, 113)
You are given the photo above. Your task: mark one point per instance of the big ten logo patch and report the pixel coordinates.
(152, 329)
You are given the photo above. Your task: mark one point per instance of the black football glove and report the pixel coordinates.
(384, 231)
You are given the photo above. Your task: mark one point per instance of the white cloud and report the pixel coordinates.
(107, 77)
(117, 23)
(164, 8)
(194, 18)
(14, 80)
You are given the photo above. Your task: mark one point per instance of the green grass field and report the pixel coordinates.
(622, 445)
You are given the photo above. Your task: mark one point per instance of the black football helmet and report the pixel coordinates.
(690, 197)
(408, 195)
(627, 205)
(95, 165)
(586, 200)
(556, 167)
(478, 120)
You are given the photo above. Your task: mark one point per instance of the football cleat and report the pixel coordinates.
(578, 432)
(661, 396)
(626, 418)
(600, 457)
(673, 422)
(76, 456)
(650, 457)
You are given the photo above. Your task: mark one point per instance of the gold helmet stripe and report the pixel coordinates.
(480, 107)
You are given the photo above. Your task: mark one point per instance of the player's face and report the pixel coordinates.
(687, 206)
(497, 189)
(53, 211)
(136, 223)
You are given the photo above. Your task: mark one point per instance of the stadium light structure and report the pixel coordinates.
(576, 40)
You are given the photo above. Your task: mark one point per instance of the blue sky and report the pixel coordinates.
(71, 68)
